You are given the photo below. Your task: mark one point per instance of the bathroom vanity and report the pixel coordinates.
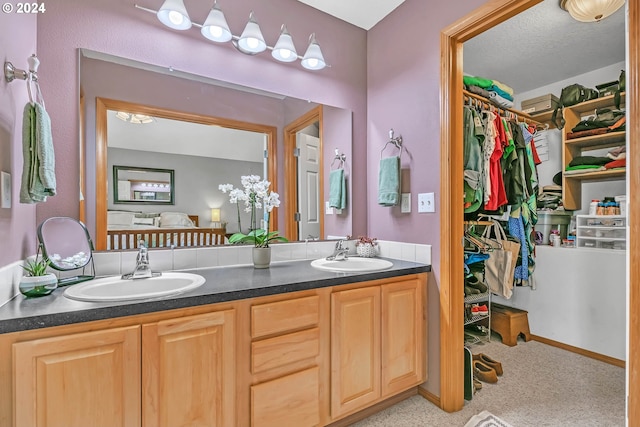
(286, 346)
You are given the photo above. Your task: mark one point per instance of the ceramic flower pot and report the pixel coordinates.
(261, 257)
(37, 286)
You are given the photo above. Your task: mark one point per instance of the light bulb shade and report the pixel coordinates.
(174, 15)
(591, 10)
(251, 40)
(215, 215)
(138, 119)
(284, 50)
(215, 28)
(313, 59)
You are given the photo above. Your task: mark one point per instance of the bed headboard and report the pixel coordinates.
(195, 220)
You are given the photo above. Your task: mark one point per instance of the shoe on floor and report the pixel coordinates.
(484, 372)
(497, 366)
(477, 385)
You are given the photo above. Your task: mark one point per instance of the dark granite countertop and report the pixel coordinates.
(222, 284)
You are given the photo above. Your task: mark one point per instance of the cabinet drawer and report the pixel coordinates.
(293, 400)
(283, 316)
(283, 350)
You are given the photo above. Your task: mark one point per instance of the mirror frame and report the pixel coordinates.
(172, 184)
(290, 171)
(105, 104)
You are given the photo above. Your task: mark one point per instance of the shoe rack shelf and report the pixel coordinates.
(476, 318)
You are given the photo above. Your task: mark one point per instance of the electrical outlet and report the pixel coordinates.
(426, 202)
(405, 207)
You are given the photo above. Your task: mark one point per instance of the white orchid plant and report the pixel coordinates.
(256, 195)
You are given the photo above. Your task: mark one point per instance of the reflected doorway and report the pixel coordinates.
(303, 172)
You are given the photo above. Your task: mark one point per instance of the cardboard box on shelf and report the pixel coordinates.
(539, 104)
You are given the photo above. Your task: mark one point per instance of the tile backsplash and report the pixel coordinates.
(116, 262)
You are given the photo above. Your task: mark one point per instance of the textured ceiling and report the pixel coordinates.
(543, 45)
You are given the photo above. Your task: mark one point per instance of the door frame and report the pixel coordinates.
(290, 170)
(452, 37)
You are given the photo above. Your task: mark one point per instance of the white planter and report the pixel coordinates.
(261, 257)
(37, 286)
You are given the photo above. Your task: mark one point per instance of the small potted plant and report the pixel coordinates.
(37, 282)
(366, 246)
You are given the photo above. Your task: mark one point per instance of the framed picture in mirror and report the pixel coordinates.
(136, 185)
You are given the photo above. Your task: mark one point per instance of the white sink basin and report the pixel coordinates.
(353, 264)
(118, 289)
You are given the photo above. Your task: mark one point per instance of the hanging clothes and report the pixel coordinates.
(473, 158)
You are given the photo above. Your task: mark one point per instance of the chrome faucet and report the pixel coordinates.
(143, 269)
(340, 253)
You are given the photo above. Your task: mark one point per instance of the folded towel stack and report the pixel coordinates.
(38, 172)
(389, 181)
(337, 189)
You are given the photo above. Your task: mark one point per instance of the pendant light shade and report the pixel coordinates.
(313, 59)
(174, 15)
(215, 28)
(591, 10)
(251, 40)
(284, 50)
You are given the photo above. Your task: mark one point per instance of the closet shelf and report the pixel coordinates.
(592, 105)
(606, 140)
(476, 318)
(545, 119)
(608, 175)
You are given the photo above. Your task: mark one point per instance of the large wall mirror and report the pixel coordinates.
(209, 133)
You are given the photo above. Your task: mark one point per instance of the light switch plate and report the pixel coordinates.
(5, 190)
(426, 202)
(405, 206)
(328, 210)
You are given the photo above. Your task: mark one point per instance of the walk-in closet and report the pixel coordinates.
(545, 203)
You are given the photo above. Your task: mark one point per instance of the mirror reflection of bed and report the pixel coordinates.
(159, 230)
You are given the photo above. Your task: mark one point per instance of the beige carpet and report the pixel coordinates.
(541, 386)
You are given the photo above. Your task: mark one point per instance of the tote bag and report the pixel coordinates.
(500, 267)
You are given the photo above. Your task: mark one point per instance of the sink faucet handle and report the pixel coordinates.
(339, 244)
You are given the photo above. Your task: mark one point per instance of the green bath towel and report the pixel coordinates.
(389, 182)
(337, 189)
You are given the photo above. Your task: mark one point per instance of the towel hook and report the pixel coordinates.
(397, 141)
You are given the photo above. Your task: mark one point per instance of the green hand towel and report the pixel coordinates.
(337, 189)
(389, 181)
(38, 171)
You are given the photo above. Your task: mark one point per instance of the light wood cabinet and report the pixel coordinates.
(79, 380)
(377, 345)
(287, 361)
(188, 371)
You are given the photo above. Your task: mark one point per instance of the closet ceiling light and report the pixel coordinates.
(591, 10)
(174, 15)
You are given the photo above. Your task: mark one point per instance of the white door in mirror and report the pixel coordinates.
(117, 289)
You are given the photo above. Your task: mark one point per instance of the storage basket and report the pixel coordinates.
(366, 250)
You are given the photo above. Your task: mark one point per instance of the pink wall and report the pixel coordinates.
(116, 27)
(403, 93)
(17, 224)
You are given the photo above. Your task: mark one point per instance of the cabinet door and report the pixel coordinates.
(188, 371)
(402, 336)
(355, 349)
(87, 379)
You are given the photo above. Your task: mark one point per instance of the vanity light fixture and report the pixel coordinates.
(174, 15)
(591, 10)
(138, 119)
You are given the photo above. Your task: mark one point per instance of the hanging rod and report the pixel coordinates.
(520, 114)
